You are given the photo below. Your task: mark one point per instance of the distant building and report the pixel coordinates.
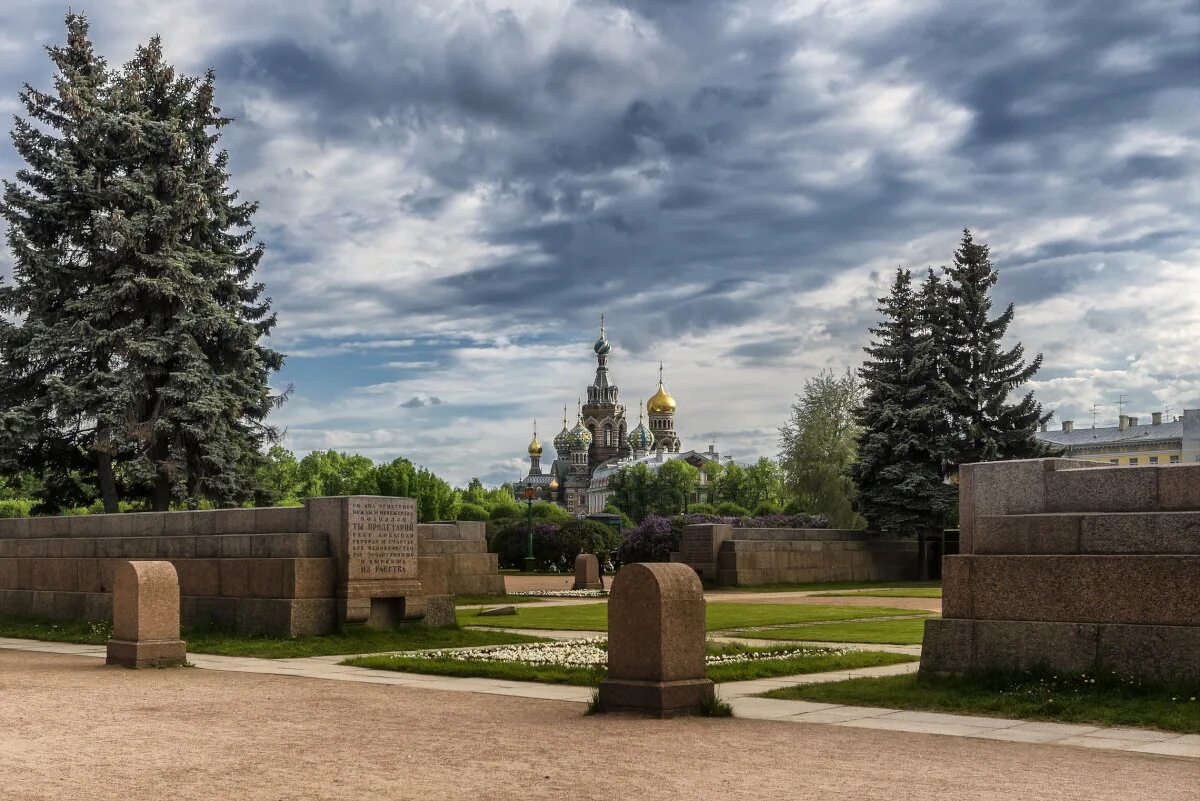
(1132, 443)
(600, 439)
(599, 495)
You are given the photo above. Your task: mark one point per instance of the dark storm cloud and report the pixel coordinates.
(691, 168)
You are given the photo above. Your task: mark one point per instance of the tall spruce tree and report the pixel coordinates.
(979, 373)
(164, 355)
(900, 488)
(49, 378)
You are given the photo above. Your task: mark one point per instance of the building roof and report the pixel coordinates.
(1113, 435)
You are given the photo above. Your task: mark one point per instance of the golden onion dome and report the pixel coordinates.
(535, 445)
(661, 402)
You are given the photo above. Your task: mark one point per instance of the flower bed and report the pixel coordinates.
(564, 593)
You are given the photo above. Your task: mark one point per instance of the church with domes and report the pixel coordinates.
(601, 439)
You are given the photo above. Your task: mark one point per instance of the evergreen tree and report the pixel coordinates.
(154, 337)
(52, 378)
(979, 373)
(932, 349)
(900, 490)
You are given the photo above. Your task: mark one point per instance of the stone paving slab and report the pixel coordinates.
(744, 705)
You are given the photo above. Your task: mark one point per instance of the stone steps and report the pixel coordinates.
(1089, 533)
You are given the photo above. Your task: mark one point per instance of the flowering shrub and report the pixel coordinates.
(553, 544)
(652, 540)
(765, 521)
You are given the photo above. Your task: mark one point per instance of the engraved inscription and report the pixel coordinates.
(382, 538)
(696, 548)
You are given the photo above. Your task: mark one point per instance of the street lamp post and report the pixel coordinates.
(530, 562)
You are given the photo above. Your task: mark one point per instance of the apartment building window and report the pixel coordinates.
(1174, 460)
(1133, 460)
(1153, 460)
(1114, 461)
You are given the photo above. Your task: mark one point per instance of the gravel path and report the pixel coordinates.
(72, 729)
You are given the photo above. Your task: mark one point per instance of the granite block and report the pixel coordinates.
(1103, 489)
(235, 578)
(956, 586)
(1179, 487)
(1022, 645)
(947, 647)
(1146, 533)
(1157, 653)
(235, 546)
(235, 521)
(1027, 534)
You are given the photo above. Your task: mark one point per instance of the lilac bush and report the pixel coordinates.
(652, 540)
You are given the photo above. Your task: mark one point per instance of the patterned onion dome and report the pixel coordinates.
(562, 442)
(640, 438)
(602, 347)
(580, 436)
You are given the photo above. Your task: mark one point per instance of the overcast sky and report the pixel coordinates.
(453, 192)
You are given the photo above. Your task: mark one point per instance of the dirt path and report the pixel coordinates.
(71, 729)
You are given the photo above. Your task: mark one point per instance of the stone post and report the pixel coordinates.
(587, 573)
(145, 616)
(656, 642)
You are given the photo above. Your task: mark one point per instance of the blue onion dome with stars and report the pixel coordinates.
(640, 438)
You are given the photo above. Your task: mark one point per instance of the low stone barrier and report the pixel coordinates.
(1073, 565)
(741, 557)
(656, 642)
(145, 616)
(284, 571)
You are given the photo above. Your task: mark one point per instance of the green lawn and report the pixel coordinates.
(594, 617)
(352, 641)
(887, 632)
(897, 592)
(820, 662)
(496, 600)
(1031, 696)
(832, 586)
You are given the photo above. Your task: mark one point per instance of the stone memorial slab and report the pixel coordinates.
(145, 616)
(656, 642)
(587, 573)
(381, 538)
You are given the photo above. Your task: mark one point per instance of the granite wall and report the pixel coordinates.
(1073, 565)
(741, 557)
(270, 571)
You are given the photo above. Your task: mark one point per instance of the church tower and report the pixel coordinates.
(661, 408)
(603, 415)
(535, 453)
(579, 474)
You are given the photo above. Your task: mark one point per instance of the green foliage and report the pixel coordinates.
(898, 471)
(633, 491)
(766, 509)
(638, 491)
(471, 511)
(15, 508)
(731, 509)
(979, 372)
(817, 446)
(702, 509)
(135, 367)
(626, 522)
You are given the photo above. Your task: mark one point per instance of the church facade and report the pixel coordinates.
(599, 439)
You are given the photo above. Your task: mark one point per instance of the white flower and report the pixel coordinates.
(563, 593)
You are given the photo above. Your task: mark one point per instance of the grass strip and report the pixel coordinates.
(833, 586)
(355, 640)
(719, 616)
(883, 632)
(1038, 695)
(895, 592)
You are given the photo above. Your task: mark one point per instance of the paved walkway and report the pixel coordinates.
(739, 694)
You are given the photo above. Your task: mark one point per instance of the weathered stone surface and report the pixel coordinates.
(1103, 489)
(1179, 487)
(145, 616)
(587, 572)
(956, 586)
(1145, 589)
(1142, 532)
(656, 641)
(1021, 645)
(1158, 653)
(497, 611)
(948, 646)
(1027, 534)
